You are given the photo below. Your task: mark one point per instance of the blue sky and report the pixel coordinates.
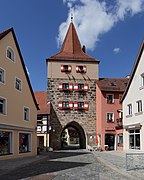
(112, 32)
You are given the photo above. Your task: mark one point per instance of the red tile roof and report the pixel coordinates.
(71, 48)
(112, 84)
(41, 98)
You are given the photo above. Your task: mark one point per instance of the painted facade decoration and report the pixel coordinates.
(72, 78)
(109, 127)
(18, 107)
(133, 106)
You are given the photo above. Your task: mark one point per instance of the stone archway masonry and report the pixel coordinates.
(60, 118)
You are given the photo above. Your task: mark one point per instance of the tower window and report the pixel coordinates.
(81, 69)
(66, 68)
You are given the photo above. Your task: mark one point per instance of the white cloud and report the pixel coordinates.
(116, 50)
(92, 18)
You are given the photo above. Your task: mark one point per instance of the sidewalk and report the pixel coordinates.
(116, 160)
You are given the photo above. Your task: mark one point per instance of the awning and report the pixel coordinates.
(132, 126)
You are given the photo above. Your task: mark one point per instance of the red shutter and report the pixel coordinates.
(62, 68)
(76, 87)
(84, 69)
(77, 69)
(71, 105)
(86, 87)
(86, 105)
(70, 86)
(60, 105)
(60, 86)
(69, 68)
(75, 105)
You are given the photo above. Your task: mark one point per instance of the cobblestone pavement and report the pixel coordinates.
(62, 165)
(116, 160)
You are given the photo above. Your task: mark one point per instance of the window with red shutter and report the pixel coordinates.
(86, 106)
(76, 87)
(75, 105)
(60, 105)
(66, 68)
(60, 87)
(81, 69)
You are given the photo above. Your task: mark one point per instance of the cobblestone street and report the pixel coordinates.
(62, 165)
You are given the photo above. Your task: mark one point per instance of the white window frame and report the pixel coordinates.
(129, 110)
(20, 85)
(13, 53)
(108, 100)
(5, 106)
(3, 75)
(142, 80)
(108, 119)
(139, 106)
(27, 115)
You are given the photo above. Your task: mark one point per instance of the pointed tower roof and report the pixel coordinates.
(71, 48)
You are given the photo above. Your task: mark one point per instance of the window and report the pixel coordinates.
(2, 105)
(129, 109)
(81, 69)
(66, 68)
(120, 97)
(10, 54)
(120, 139)
(142, 79)
(64, 105)
(134, 139)
(2, 75)
(80, 105)
(24, 143)
(5, 142)
(80, 87)
(110, 98)
(18, 84)
(110, 117)
(26, 114)
(139, 106)
(65, 87)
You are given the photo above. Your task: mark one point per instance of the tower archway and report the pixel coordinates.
(73, 136)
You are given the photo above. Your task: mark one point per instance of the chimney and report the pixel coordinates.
(84, 49)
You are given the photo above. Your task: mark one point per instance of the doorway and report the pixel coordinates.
(110, 141)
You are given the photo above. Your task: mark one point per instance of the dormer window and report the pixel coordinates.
(65, 87)
(80, 87)
(66, 68)
(63, 105)
(81, 69)
(10, 54)
(110, 98)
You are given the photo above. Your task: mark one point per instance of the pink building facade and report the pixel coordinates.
(109, 127)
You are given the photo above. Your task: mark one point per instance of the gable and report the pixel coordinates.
(134, 84)
(15, 69)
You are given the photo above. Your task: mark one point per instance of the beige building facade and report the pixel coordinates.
(18, 107)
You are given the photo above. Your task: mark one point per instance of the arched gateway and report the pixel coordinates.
(73, 136)
(72, 76)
